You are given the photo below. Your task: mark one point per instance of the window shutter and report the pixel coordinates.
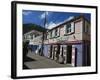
(72, 27)
(58, 31)
(64, 29)
(48, 35)
(53, 33)
(29, 36)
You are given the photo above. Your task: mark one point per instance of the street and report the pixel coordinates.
(38, 62)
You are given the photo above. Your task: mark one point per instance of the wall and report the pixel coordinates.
(78, 30)
(86, 35)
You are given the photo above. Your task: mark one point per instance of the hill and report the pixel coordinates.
(29, 27)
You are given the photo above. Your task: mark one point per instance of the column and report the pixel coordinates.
(73, 56)
(61, 54)
(49, 52)
(52, 57)
(65, 53)
(55, 52)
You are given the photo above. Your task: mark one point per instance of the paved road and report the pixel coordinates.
(42, 62)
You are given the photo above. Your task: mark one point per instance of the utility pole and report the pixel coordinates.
(45, 21)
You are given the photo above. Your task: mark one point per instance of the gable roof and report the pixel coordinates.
(67, 21)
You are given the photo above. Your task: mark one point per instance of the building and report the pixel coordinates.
(34, 35)
(69, 42)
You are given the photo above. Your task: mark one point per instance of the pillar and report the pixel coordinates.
(61, 59)
(52, 57)
(65, 53)
(55, 52)
(73, 56)
(49, 51)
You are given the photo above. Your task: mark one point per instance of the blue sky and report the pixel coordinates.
(53, 18)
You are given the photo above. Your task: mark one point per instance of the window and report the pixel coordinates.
(31, 36)
(69, 28)
(49, 35)
(28, 37)
(87, 28)
(56, 31)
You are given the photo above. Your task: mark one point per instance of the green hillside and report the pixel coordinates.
(29, 27)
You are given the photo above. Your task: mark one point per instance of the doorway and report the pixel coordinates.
(69, 54)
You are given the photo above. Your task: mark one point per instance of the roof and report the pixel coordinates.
(33, 32)
(67, 21)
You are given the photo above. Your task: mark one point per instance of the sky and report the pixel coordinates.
(52, 18)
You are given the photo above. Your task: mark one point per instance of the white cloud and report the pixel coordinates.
(42, 16)
(71, 17)
(26, 13)
(52, 24)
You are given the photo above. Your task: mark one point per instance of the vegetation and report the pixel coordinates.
(29, 27)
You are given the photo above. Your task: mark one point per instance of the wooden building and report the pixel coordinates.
(69, 42)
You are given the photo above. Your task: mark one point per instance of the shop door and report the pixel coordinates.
(69, 54)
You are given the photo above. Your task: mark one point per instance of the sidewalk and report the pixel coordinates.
(42, 62)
